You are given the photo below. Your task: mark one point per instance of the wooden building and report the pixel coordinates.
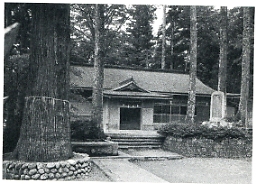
(138, 99)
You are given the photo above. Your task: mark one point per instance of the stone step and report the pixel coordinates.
(134, 136)
(136, 140)
(139, 143)
(138, 146)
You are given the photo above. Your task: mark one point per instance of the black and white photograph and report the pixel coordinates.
(151, 91)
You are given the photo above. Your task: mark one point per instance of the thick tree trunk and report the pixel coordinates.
(97, 101)
(193, 65)
(45, 130)
(163, 62)
(246, 50)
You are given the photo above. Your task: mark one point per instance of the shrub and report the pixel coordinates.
(83, 130)
(186, 130)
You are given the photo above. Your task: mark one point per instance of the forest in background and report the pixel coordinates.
(128, 39)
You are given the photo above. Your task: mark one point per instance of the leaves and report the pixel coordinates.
(189, 130)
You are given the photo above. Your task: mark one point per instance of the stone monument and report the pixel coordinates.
(218, 106)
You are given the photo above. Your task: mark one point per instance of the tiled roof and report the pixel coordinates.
(82, 77)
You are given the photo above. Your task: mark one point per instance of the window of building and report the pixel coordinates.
(165, 113)
(161, 113)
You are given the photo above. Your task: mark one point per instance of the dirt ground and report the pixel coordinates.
(201, 170)
(95, 175)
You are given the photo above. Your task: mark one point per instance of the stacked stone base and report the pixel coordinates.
(226, 148)
(76, 167)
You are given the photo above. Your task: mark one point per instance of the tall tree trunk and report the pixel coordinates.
(222, 79)
(246, 50)
(172, 44)
(97, 101)
(222, 75)
(163, 63)
(193, 66)
(45, 130)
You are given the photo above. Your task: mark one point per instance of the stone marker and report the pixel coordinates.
(218, 106)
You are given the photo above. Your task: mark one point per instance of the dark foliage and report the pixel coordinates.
(15, 77)
(82, 130)
(186, 130)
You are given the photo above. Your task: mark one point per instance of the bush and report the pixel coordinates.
(186, 130)
(83, 130)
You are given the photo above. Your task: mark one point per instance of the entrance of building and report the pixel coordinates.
(130, 118)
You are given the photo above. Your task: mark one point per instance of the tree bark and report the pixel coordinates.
(163, 62)
(193, 66)
(172, 45)
(45, 130)
(222, 79)
(97, 101)
(222, 75)
(246, 51)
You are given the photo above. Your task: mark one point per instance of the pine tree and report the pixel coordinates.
(193, 66)
(140, 34)
(97, 95)
(163, 63)
(222, 78)
(246, 51)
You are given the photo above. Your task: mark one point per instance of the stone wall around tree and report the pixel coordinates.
(78, 166)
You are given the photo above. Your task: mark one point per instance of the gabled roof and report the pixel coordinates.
(130, 85)
(82, 77)
(130, 89)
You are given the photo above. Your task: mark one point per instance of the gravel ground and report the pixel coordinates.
(201, 170)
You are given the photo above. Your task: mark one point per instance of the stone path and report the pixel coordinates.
(169, 167)
(120, 169)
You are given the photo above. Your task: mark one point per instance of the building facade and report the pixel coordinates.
(139, 99)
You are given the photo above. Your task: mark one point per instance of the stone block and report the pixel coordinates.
(70, 173)
(26, 171)
(41, 171)
(44, 176)
(66, 169)
(53, 170)
(32, 166)
(41, 165)
(72, 168)
(35, 176)
(47, 170)
(64, 174)
(32, 172)
(51, 175)
(50, 165)
(27, 177)
(57, 175)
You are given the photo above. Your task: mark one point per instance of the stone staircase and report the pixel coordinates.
(135, 139)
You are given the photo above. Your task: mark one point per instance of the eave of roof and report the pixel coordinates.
(135, 95)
